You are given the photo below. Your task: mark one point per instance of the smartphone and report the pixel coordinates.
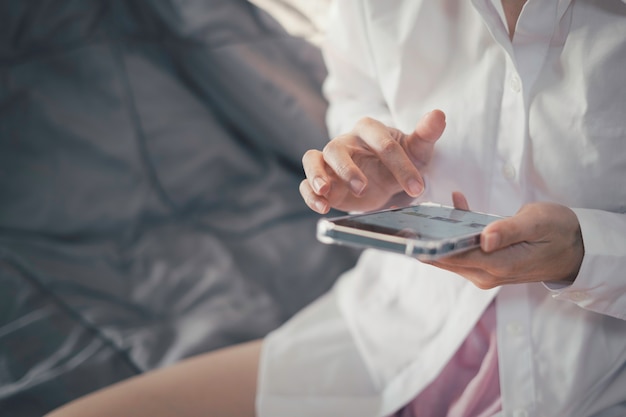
(424, 231)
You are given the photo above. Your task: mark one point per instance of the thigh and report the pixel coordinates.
(219, 383)
(311, 367)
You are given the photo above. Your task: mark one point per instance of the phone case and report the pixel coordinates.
(436, 232)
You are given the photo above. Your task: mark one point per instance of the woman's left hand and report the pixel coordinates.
(542, 242)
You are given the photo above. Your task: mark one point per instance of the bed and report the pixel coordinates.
(149, 168)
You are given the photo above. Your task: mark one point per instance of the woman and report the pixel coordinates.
(533, 322)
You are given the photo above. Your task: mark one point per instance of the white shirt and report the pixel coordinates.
(542, 118)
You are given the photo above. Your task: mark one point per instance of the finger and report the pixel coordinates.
(338, 156)
(481, 278)
(314, 169)
(459, 201)
(506, 232)
(421, 142)
(496, 264)
(385, 142)
(314, 201)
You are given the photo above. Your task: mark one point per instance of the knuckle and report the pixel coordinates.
(365, 122)
(505, 270)
(309, 156)
(388, 147)
(398, 136)
(339, 160)
(483, 283)
(331, 146)
(501, 270)
(343, 170)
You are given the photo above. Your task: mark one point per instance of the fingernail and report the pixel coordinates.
(490, 242)
(318, 184)
(415, 188)
(357, 186)
(320, 206)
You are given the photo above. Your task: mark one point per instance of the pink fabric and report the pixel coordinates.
(469, 385)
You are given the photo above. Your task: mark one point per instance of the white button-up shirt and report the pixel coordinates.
(539, 118)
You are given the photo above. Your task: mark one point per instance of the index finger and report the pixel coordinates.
(385, 142)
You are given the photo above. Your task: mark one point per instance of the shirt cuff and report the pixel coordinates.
(601, 282)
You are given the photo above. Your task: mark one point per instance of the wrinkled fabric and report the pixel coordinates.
(469, 384)
(149, 169)
(536, 118)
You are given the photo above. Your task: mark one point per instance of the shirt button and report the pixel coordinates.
(520, 412)
(515, 83)
(514, 328)
(578, 295)
(508, 170)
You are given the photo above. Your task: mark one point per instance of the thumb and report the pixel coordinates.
(422, 140)
(506, 232)
(459, 201)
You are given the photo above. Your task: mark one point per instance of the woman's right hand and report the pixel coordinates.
(363, 169)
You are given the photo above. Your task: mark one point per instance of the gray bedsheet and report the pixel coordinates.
(149, 168)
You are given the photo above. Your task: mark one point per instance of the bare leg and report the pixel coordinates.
(220, 383)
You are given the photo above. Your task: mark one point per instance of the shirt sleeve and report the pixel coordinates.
(352, 86)
(601, 282)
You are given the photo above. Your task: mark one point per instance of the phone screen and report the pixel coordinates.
(422, 222)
